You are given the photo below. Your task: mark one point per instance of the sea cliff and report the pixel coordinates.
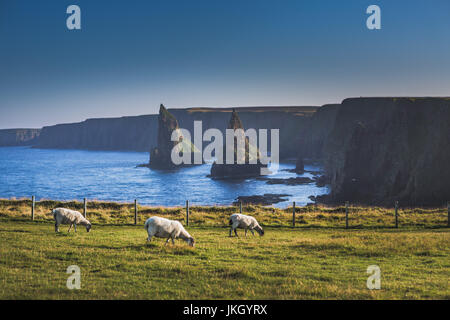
(18, 137)
(385, 149)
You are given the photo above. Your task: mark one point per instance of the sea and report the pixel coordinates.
(116, 176)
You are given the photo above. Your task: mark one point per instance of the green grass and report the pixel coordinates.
(316, 260)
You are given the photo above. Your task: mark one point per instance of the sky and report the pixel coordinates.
(130, 56)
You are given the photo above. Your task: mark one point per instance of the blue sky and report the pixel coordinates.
(130, 56)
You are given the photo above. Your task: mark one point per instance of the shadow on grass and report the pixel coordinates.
(15, 231)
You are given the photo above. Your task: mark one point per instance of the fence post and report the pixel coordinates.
(240, 207)
(396, 214)
(84, 207)
(135, 211)
(187, 212)
(448, 214)
(346, 214)
(32, 207)
(293, 214)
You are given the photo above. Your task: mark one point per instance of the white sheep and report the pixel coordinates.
(242, 221)
(72, 217)
(165, 228)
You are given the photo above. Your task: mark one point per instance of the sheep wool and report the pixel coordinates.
(165, 228)
(71, 217)
(245, 222)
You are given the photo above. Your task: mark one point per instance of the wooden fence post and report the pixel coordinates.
(33, 199)
(293, 214)
(84, 207)
(240, 207)
(187, 212)
(135, 211)
(448, 214)
(346, 214)
(396, 214)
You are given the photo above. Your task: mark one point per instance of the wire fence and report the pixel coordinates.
(346, 216)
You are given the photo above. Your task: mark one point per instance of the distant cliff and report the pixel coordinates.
(139, 133)
(386, 149)
(125, 134)
(18, 137)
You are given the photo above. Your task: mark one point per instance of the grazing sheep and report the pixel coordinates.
(67, 216)
(244, 222)
(165, 228)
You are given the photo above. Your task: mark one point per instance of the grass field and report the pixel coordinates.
(318, 259)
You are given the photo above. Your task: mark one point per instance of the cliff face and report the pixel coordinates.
(242, 155)
(127, 133)
(140, 133)
(18, 137)
(386, 149)
(314, 134)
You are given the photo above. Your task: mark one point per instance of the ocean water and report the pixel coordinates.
(113, 176)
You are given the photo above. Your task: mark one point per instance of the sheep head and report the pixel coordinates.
(260, 230)
(191, 242)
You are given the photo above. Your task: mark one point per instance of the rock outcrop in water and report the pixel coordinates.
(160, 156)
(264, 200)
(18, 137)
(243, 155)
(386, 149)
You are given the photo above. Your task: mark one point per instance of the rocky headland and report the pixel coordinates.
(380, 150)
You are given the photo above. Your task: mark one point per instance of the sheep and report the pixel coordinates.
(67, 216)
(242, 221)
(165, 228)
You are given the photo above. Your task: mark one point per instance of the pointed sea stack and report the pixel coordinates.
(160, 156)
(236, 170)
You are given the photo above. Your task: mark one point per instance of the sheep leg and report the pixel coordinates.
(70, 227)
(149, 239)
(56, 227)
(75, 227)
(246, 231)
(167, 241)
(235, 232)
(173, 241)
(251, 230)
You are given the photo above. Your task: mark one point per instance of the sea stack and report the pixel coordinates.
(160, 156)
(238, 170)
(300, 165)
